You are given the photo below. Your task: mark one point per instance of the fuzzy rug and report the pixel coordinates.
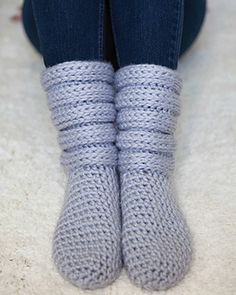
(32, 182)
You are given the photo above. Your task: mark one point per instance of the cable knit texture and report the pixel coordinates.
(86, 247)
(155, 238)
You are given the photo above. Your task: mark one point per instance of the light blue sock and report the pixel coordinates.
(155, 238)
(86, 247)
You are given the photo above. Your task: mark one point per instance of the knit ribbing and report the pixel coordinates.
(80, 96)
(86, 245)
(148, 105)
(156, 243)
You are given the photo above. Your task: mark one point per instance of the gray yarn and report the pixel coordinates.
(86, 247)
(155, 238)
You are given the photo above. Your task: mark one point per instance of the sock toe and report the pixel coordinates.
(87, 272)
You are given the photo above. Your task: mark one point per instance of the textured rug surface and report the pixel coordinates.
(32, 181)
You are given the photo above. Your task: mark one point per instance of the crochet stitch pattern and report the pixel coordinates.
(86, 246)
(155, 238)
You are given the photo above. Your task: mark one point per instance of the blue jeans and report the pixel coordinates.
(120, 31)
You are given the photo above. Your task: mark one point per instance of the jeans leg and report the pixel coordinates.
(147, 31)
(31, 31)
(194, 14)
(70, 30)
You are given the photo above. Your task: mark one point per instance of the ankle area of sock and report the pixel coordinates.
(149, 75)
(138, 177)
(77, 71)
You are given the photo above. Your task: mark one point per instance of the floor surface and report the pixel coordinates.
(32, 181)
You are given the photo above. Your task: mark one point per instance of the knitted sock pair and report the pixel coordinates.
(89, 102)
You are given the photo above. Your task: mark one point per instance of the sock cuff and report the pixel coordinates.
(77, 71)
(148, 74)
(81, 100)
(148, 105)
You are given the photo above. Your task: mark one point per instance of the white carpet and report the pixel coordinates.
(32, 181)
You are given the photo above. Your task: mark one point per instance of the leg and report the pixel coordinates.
(79, 85)
(147, 31)
(31, 31)
(155, 238)
(194, 13)
(70, 30)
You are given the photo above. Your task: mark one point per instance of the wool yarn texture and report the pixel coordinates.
(86, 245)
(155, 238)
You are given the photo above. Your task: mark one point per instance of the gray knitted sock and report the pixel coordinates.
(86, 246)
(155, 238)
